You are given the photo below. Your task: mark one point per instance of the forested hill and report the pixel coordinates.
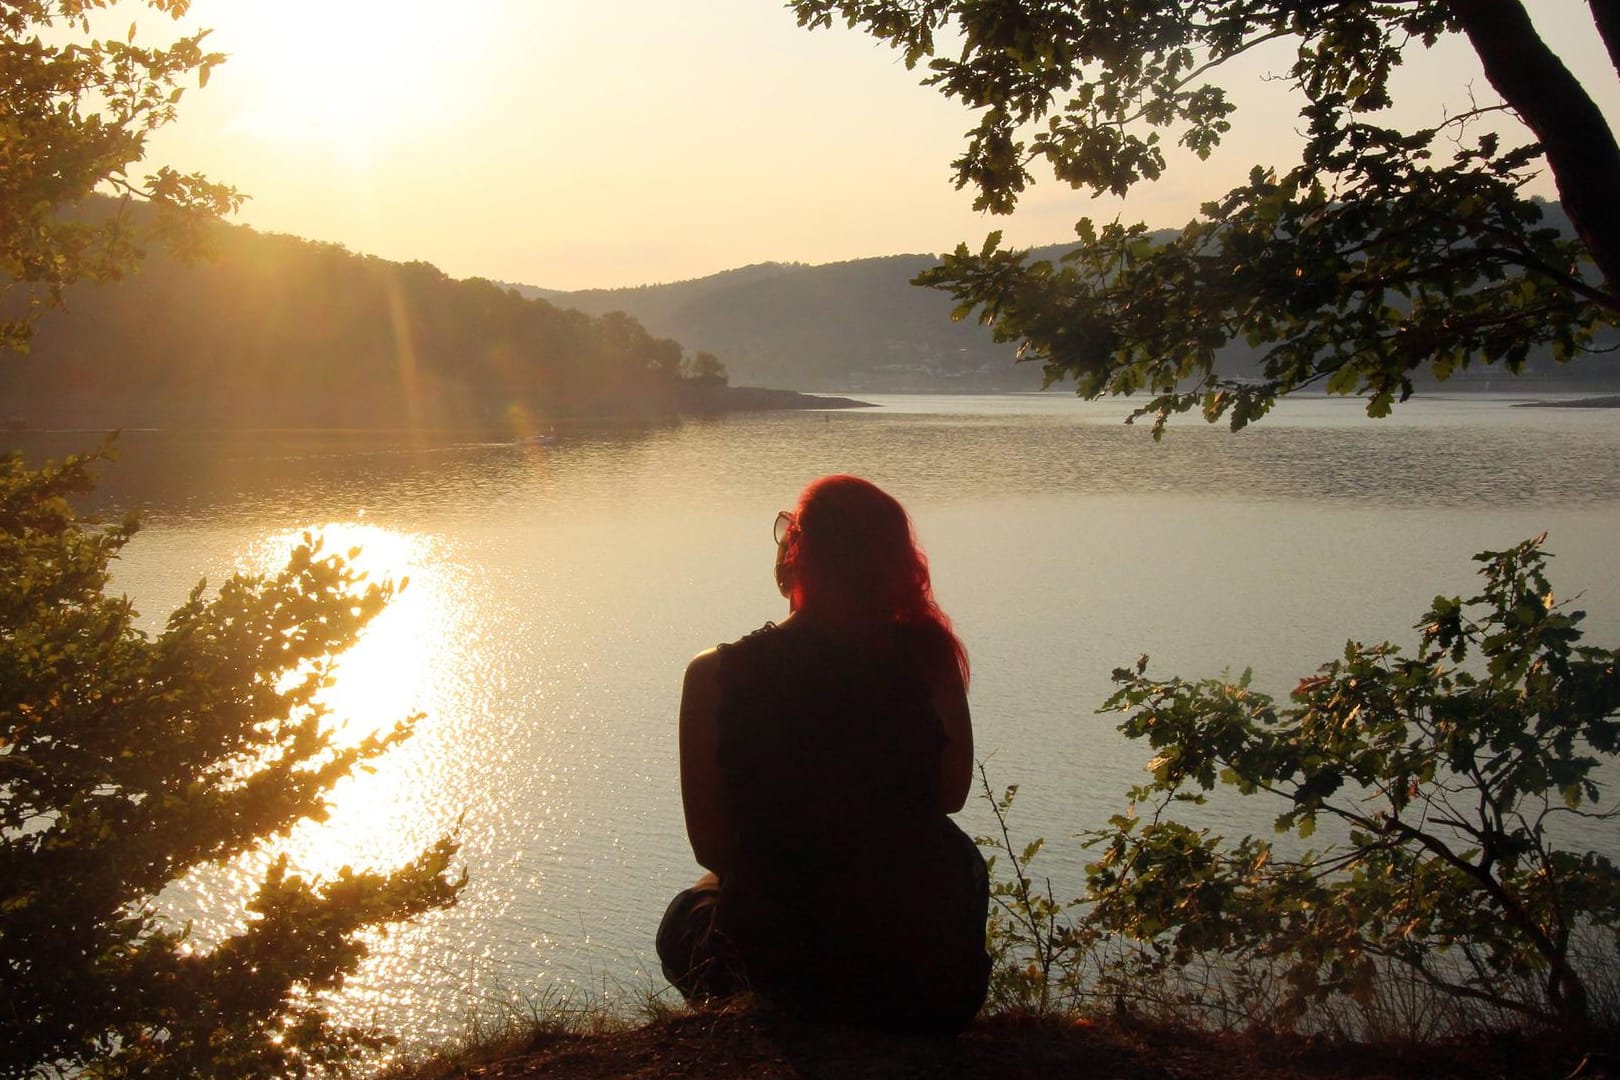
(861, 326)
(856, 326)
(276, 331)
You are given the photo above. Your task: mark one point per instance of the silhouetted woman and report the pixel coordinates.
(820, 758)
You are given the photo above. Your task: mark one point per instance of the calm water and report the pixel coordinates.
(555, 595)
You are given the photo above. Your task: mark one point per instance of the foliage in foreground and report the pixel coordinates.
(75, 111)
(1461, 787)
(127, 762)
(1035, 948)
(1465, 784)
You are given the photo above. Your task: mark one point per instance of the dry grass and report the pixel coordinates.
(514, 1026)
(752, 1042)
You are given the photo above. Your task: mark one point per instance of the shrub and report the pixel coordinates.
(1449, 774)
(128, 761)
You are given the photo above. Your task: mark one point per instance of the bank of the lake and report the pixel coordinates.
(716, 400)
(751, 1044)
(1599, 401)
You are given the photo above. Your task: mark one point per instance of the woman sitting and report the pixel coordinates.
(819, 759)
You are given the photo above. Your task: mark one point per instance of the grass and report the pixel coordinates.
(749, 1040)
(519, 1026)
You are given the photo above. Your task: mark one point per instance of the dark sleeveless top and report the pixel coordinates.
(852, 896)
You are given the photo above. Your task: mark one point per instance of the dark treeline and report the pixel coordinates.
(275, 331)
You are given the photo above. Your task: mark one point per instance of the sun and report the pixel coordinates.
(354, 76)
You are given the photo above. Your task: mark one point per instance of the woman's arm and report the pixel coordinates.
(956, 760)
(708, 818)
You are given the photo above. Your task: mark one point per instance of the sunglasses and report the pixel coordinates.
(786, 525)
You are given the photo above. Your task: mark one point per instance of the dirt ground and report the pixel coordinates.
(758, 1045)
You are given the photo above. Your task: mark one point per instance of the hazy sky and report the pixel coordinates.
(583, 143)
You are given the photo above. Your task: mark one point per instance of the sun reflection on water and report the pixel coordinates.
(403, 665)
(386, 812)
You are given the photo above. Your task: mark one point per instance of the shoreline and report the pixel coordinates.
(707, 402)
(1603, 401)
(726, 1041)
(703, 401)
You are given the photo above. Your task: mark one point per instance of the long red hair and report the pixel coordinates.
(852, 547)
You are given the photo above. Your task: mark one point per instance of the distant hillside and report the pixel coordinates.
(663, 302)
(281, 332)
(861, 326)
(856, 326)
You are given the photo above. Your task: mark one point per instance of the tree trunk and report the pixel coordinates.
(1580, 148)
(1567, 994)
(1606, 13)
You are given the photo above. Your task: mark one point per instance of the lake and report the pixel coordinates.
(555, 594)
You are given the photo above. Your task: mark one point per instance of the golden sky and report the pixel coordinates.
(576, 144)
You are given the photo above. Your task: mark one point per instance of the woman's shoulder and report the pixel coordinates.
(704, 661)
(753, 637)
(703, 673)
(709, 663)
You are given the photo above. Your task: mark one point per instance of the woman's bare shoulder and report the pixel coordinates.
(704, 668)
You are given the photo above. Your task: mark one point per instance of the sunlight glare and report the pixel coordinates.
(379, 817)
(353, 75)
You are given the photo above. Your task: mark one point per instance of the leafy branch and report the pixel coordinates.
(1033, 943)
(1440, 769)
